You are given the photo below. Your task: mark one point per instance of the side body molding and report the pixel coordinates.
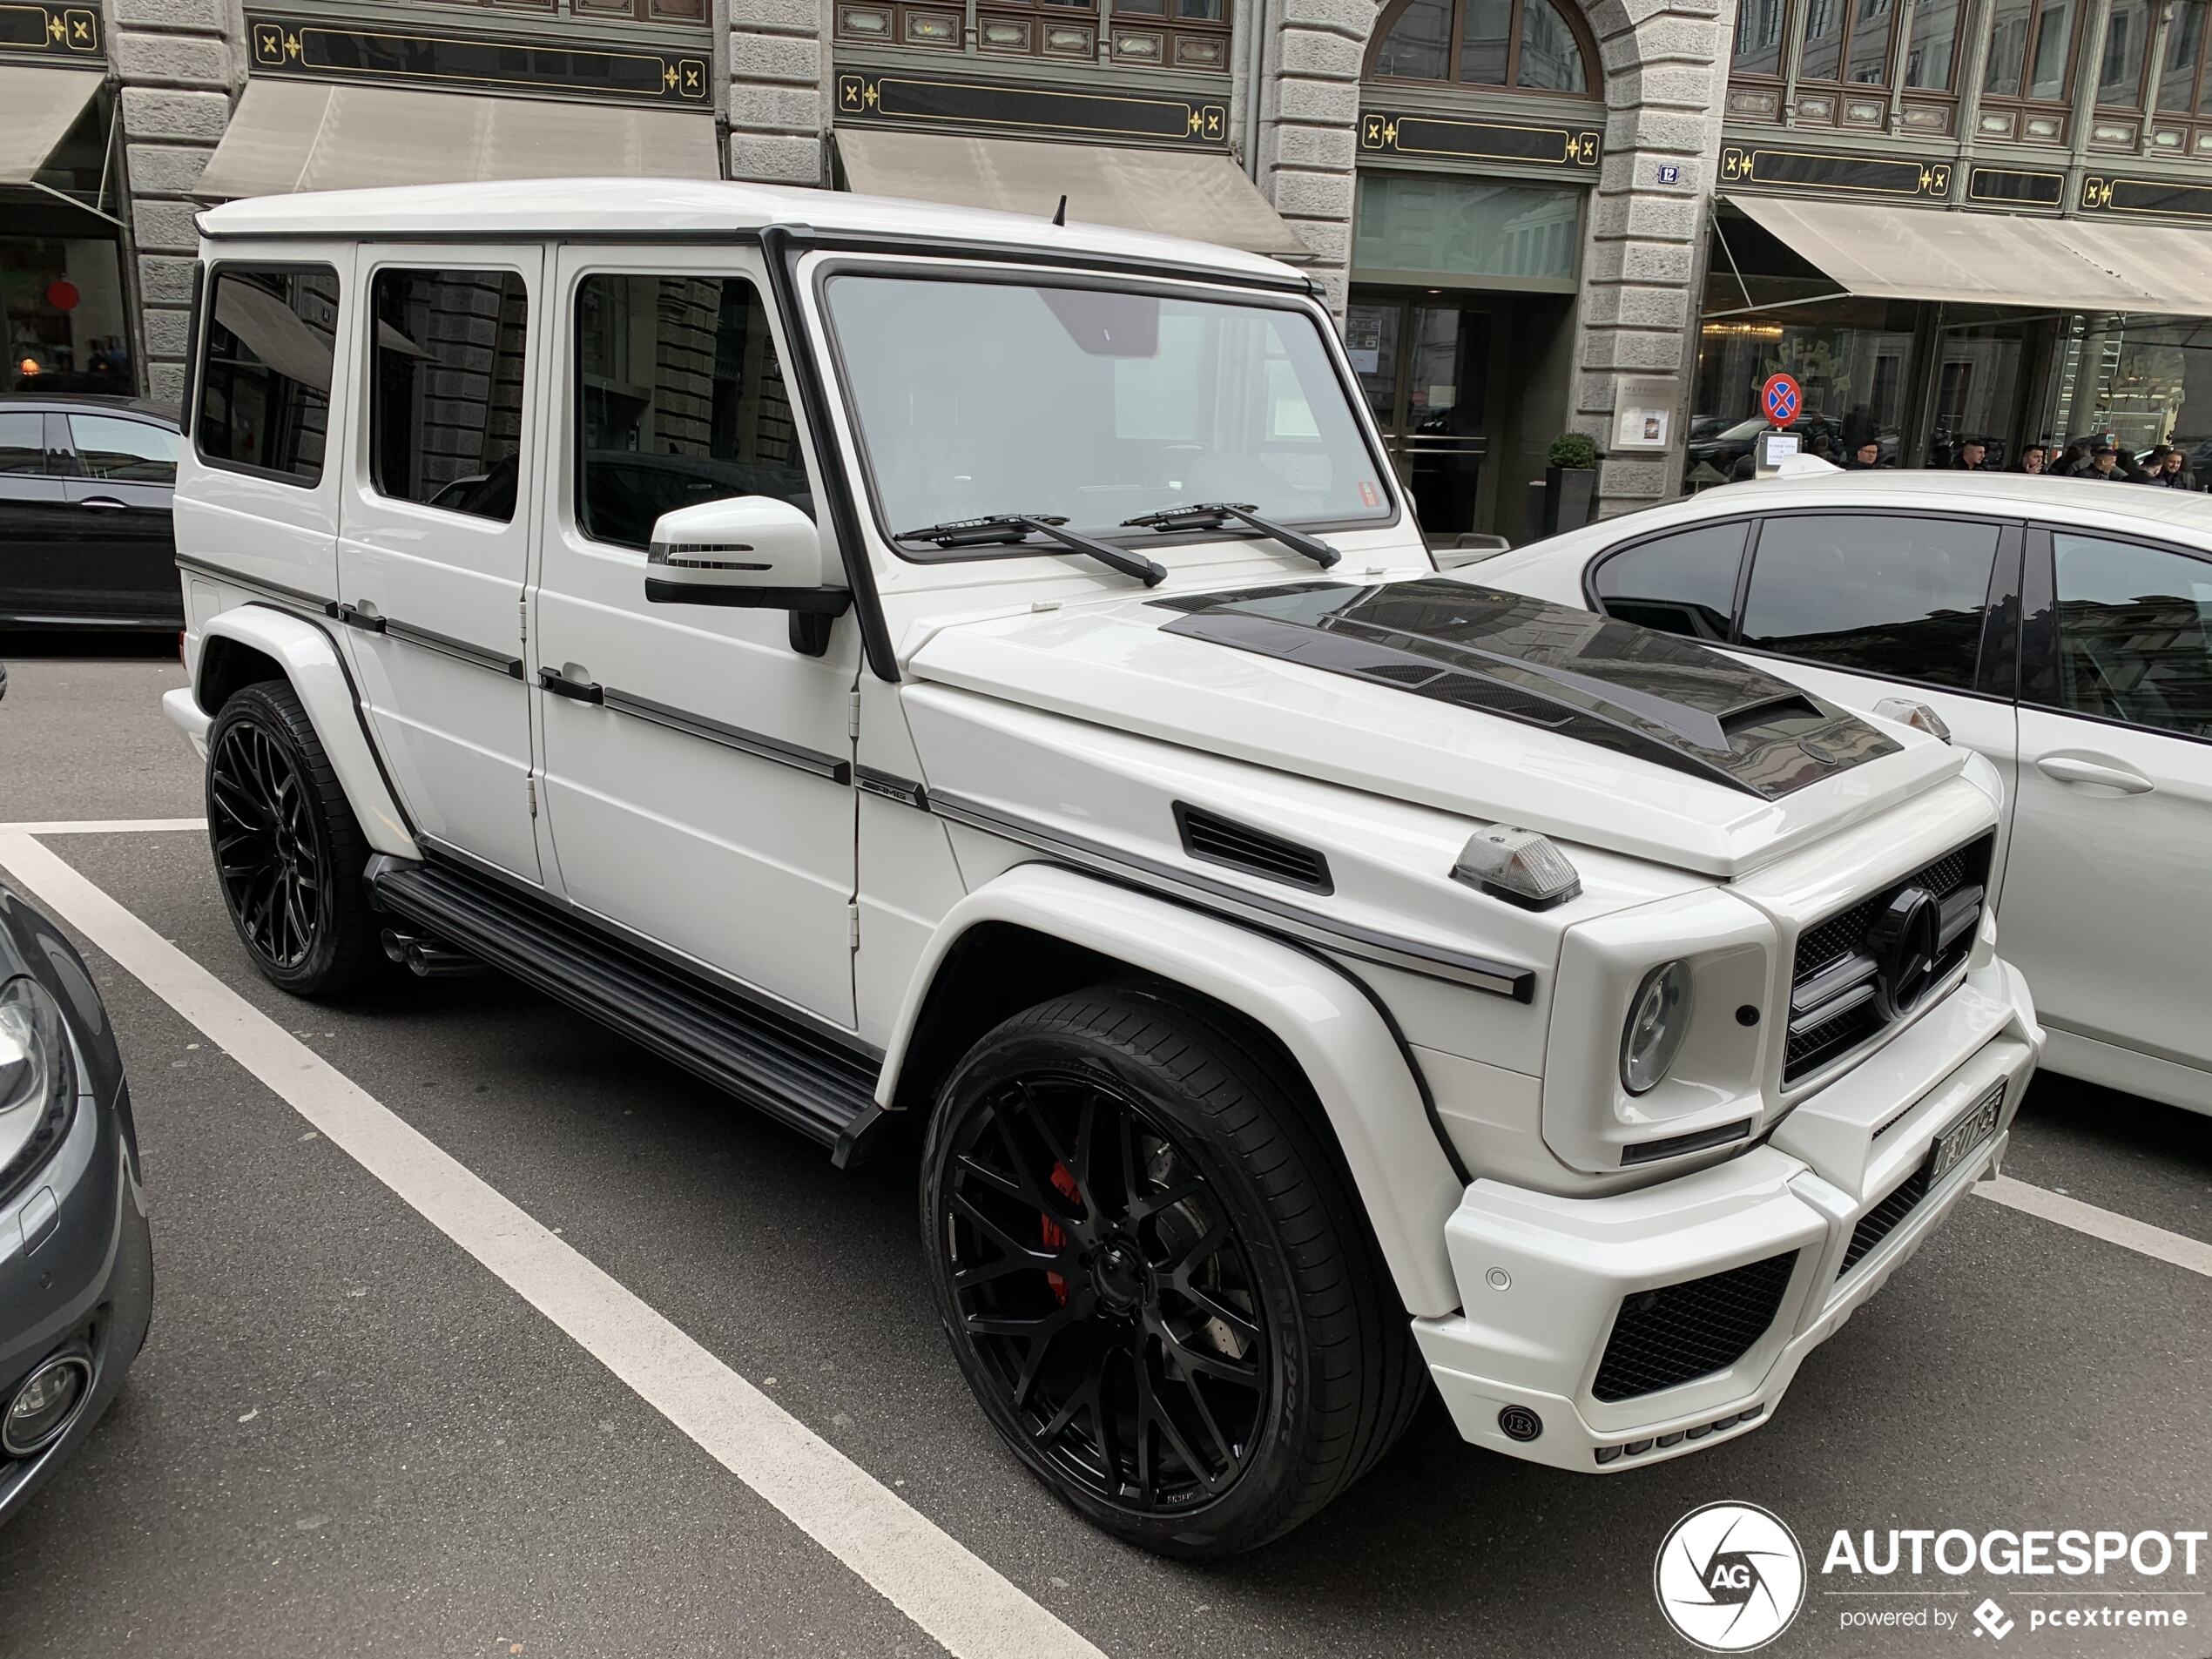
(311, 662)
(1339, 1039)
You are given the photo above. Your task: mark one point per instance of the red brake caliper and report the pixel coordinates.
(1054, 1236)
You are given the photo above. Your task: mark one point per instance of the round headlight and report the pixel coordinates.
(34, 1049)
(1658, 1020)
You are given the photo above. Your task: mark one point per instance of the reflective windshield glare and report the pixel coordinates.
(978, 397)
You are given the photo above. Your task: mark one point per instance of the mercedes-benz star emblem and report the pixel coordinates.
(1903, 941)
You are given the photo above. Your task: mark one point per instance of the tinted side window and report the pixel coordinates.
(679, 400)
(130, 452)
(1683, 583)
(264, 382)
(1873, 593)
(23, 442)
(446, 388)
(2135, 633)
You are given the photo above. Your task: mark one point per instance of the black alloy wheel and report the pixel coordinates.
(289, 851)
(1103, 1285)
(1155, 1274)
(272, 871)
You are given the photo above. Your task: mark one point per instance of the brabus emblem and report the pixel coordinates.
(1903, 941)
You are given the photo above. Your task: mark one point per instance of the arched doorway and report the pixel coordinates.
(1480, 126)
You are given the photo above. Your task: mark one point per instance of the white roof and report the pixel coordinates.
(613, 209)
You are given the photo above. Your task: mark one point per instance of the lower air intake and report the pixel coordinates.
(1681, 1332)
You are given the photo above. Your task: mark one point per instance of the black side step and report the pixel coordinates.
(813, 1080)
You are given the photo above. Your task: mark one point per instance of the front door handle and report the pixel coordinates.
(560, 684)
(2069, 770)
(105, 504)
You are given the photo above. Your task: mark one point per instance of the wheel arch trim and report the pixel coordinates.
(1331, 1030)
(310, 662)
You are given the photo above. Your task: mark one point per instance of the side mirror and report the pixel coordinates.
(750, 550)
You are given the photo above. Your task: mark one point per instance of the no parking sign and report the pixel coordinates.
(1781, 399)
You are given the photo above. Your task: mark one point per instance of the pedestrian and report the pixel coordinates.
(2104, 463)
(1866, 457)
(2072, 461)
(2032, 458)
(2170, 469)
(1974, 456)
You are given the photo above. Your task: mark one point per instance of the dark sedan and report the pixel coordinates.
(84, 535)
(75, 1260)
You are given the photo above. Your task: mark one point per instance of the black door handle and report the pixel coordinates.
(579, 691)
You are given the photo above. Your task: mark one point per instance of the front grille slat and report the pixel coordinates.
(1830, 1016)
(1680, 1332)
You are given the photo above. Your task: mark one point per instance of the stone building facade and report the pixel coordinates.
(1610, 216)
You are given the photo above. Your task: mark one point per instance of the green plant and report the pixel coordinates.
(1571, 449)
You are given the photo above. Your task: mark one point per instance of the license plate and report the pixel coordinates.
(1964, 1133)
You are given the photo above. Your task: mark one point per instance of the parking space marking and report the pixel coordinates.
(103, 826)
(920, 1569)
(2114, 1229)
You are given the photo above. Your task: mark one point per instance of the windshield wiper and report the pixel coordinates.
(1005, 530)
(1217, 515)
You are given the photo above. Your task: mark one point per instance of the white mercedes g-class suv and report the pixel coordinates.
(903, 664)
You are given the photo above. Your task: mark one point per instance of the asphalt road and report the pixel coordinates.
(346, 1436)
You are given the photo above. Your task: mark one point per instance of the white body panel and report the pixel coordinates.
(827, 832)
(454, 728)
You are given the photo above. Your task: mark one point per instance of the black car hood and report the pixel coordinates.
(1624, 688)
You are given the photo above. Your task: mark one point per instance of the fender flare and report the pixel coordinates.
(319, 676)
(1352, 1058)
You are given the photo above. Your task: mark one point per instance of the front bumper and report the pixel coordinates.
(76, 1272)
(1543, 1278)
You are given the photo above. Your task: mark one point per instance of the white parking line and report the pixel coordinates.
(2124, 1231)
(103, 826)
(920, 1569)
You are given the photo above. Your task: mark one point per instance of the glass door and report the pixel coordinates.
(1425, 365)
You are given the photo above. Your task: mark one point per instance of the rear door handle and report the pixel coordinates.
(2068, 770)
(106, 503)
(561, 685)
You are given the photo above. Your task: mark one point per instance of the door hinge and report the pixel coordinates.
(852, 718)
(532, 783)
(853, 916)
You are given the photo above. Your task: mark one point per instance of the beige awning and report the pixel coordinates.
(1205, 198)
(42, 105)
(1886, 253)
(288, 136)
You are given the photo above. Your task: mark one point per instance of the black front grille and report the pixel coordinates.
(1882, 1220)
(1681, 1332)
(1216, 840)
(1838, 997)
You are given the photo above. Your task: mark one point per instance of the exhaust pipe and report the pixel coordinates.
(426, 958)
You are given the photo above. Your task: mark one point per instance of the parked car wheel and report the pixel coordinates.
(1153, 1276)
(288, 850)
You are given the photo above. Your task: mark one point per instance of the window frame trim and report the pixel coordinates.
(2040, 622)
(202, 346)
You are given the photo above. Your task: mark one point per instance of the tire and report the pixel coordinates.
(1197, 1358)
(289, 851)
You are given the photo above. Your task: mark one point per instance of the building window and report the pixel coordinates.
(1533, 45)
(1852, 43)
(2030, 51)
(2182, 70)
(2120, 76)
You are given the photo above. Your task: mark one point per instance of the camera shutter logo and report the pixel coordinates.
(1730, 1577)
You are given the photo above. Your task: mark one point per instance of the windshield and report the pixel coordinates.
(1093, 405)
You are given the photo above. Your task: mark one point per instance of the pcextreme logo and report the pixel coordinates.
(1730, 1577)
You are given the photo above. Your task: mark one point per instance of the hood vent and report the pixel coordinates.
(1212, 839)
